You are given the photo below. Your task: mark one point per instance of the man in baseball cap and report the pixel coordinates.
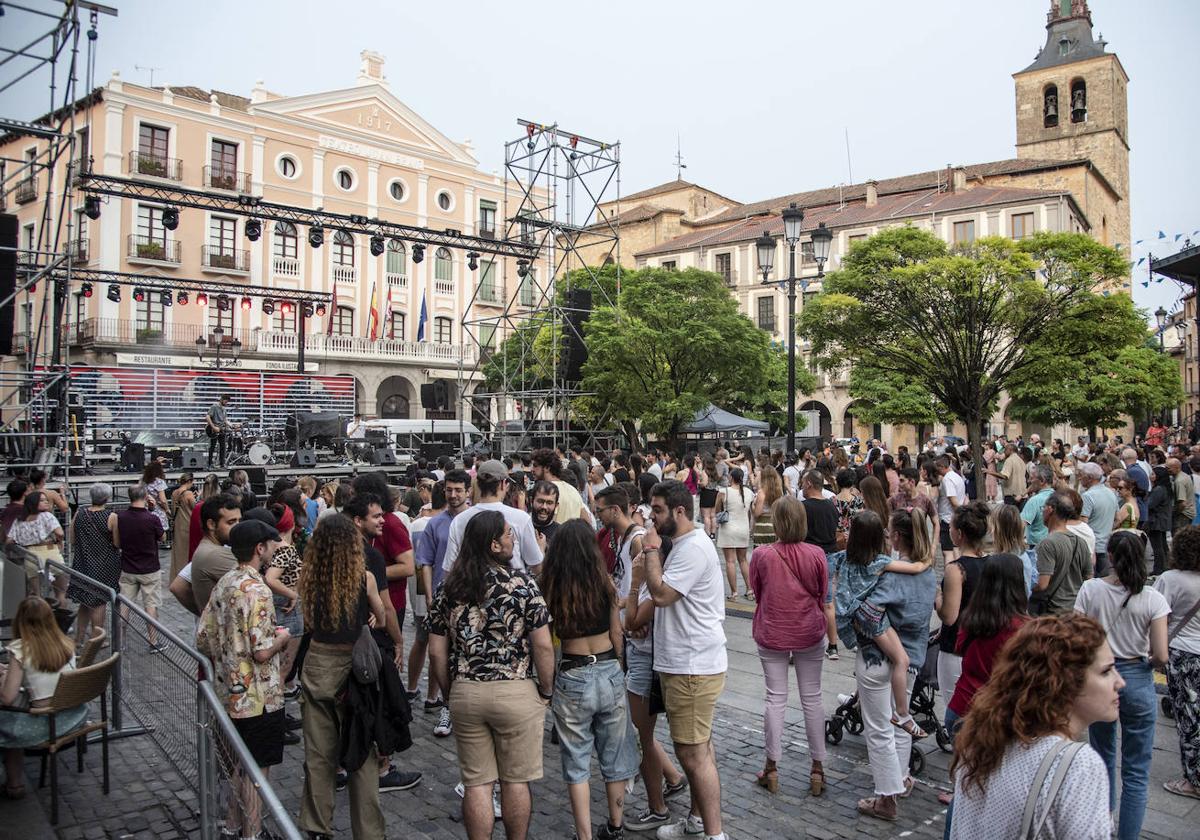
(491, 483)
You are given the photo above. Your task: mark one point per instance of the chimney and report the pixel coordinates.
(872, 192)
(958, 176)
(370, 72)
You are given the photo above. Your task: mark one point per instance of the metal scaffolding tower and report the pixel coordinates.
(555, 182)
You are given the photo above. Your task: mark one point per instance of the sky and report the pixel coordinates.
(761, 95)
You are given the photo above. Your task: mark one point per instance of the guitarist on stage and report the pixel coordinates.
(217, 425)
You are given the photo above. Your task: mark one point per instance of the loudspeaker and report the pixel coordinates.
(258, 479)
(193, 460)
(435, 395)
(304, 458)
(383, 457)
(429, 396)
(579, 309)
(8, 279)
(133, 457)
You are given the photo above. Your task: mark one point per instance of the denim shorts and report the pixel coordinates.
(591, 710)
(293, 621)
(639, 670)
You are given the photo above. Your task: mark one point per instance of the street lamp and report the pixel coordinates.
(219, 336)
(1160, 315)
(793, 221)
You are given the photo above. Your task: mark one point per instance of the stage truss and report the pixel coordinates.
(555, 182)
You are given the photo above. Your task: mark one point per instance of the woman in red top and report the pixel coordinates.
(789, 578)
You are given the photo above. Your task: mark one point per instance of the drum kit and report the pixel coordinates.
(250, 446)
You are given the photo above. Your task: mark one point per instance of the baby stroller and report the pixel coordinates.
(847, 717)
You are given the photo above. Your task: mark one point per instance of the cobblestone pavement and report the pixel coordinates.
(149, 800)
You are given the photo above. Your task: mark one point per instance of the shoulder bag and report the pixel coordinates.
(1039, 603)
(365, 658)
(1030, 828)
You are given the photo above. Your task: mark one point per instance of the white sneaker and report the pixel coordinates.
(692, 826)
(443, 727)
(843, 699)
(462, 792)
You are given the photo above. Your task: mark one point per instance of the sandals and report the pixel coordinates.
(1180, 787)
(873, 806)
(910, 726)
(768, 779)
(816, 781)
(909, 784)
(749, 596)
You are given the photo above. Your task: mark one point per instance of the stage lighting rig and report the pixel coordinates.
(223, 303)
(253, 229)
(139, 294)
(91, 207)
(376, 245)
(316, 236)
(170, 218)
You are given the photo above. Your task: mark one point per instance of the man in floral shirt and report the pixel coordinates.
(237, 632)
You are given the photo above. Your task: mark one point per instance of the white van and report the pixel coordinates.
(407, 436)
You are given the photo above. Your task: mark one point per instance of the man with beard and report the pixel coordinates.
(689, 646)
(543, 506)
(548, 467)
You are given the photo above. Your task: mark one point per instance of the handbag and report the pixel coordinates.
(1068, 750)
(365, 658)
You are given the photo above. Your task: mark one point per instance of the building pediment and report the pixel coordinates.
(374, 114)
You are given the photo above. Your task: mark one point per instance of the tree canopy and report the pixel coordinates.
(955, 323)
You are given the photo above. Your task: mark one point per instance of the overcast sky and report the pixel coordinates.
(761, 94)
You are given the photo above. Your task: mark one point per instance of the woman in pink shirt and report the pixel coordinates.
(789, 578)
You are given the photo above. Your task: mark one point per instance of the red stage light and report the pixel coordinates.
(246, 304)
(202, 299)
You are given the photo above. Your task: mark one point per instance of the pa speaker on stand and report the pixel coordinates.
(304, 458)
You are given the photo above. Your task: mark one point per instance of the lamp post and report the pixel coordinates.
(793, 220)
(1160, 315)
(219, 334)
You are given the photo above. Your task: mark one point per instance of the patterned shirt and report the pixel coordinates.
(490, 641)
(287, 560)
(238, 621)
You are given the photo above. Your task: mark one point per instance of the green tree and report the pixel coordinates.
(883, 396)
(675, 342)
(957, 322)
(1093, 370)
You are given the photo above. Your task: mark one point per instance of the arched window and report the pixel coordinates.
(443, 268)
(1078, 101)
(397, 258)
(343, 249)
(1050, 106)
(286, 241)
(394, 407)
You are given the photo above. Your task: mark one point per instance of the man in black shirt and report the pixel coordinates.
(822, 532)
(367, 513)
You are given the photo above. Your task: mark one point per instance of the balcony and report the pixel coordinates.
(395, 280)
(153, 250)
(94, 332)
(79, 249)
(214, 258)
(443, 287)
(156, 166)
(26, 191)
(357, 347)
(346, 274)
(488, 293)
(285, 267)
(486, 228)
(225, 178)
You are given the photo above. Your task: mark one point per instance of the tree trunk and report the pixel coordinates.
(974, 420)
(630, 429)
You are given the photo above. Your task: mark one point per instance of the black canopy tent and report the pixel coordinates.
(712, 421)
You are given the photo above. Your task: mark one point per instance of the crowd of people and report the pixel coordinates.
(593, 588)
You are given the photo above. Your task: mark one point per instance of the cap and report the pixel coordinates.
(260, 514)
(249, 533)
(492, 469)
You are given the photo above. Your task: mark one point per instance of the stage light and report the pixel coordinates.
(165, 298)
(268, 307)
(316, 236)
(91, 207)
(321, 309)
(253, 229)
(223, 303)
(139, 294)
(182, 298)
(522, 268)
(286, 307)
(202, 299)
(246, 304)
(376, 245)
(418, 252)
(308, 310)
(114, 293)
(472, 260)
(170, 218)
(86, 290)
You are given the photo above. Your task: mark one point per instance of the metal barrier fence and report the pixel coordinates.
(162, 689)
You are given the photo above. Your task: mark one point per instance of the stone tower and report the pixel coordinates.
(1071, 105)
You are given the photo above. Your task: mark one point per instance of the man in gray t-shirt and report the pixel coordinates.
(216, 423)
(1099, 509)
(1064, 560)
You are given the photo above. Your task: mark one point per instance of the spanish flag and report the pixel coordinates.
(373, 316)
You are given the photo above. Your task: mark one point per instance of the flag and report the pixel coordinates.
(332, 312)
(1139, 242)
(372, 316)
(1178, 236)
(390, 331)
(421, 321)
(1161, 235)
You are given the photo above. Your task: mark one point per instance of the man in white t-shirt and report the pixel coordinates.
(952, 493)
(491, 478)
(689, 645)
(792, 475)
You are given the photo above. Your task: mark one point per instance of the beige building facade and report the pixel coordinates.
(357, 150)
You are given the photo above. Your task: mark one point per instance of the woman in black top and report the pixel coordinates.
(590, 707)
(968, 528)
(1159, 506)
(338, 598)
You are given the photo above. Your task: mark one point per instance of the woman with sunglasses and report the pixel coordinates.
(1127, 511)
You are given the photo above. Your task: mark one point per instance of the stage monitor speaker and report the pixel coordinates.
(8, 280)
(304, 458)
(579, 309)
(434, 449)
(133, 457)
(258, 479)
(383, 457)
(193, 460)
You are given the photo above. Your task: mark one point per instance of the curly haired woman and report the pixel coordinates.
(1054, 678)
